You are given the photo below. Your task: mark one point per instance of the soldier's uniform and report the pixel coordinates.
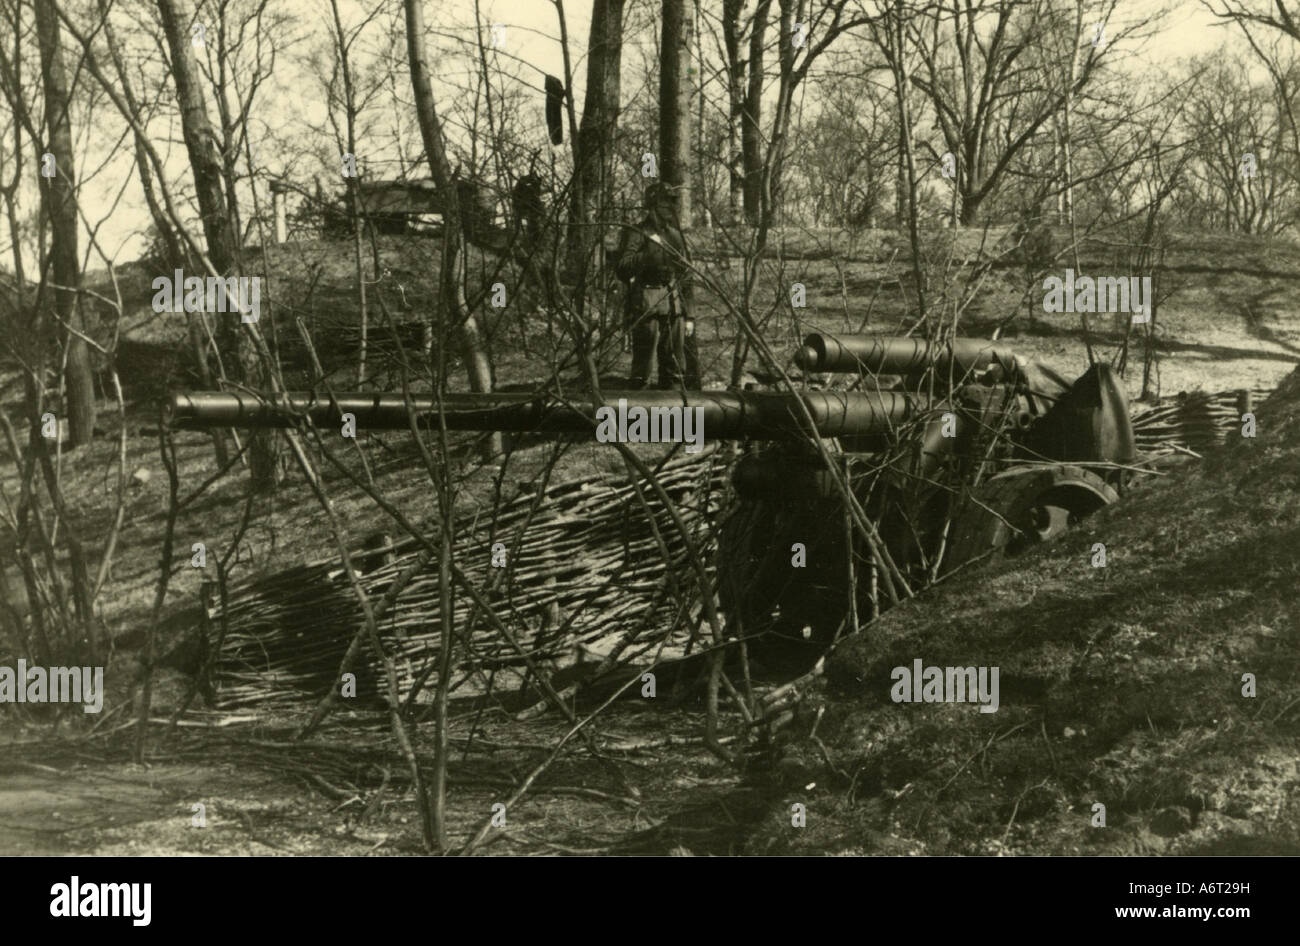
(529, 209)
(654, 262)
(526, 201)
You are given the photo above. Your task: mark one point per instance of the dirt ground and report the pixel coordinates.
(649, 787)
(874, 783)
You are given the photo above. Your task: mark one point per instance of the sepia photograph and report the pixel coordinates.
(648, 428)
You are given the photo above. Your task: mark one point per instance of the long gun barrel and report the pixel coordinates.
(901, 356)
(727, 415)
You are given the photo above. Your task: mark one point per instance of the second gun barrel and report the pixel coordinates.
(882, 354)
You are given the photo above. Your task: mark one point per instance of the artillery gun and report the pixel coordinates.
(949, 454)
(998, 455)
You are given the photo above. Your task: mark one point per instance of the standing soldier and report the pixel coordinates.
(526, 201)
(652, 259)
(529, 208)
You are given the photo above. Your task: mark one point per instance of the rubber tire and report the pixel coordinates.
(976, 533)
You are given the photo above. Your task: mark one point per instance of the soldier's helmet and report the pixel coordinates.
(659, 195)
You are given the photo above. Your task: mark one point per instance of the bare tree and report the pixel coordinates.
(248, 40)
(1281, 67)
(173, 252)
(454, 309)
(848, 148)
(989, 100)
(594, 151)
(30, 338)
(675, 104)
(239, 360)
(731, 34)
(1282, 15)
(1244, 174)
(455, 312)
(204, 153)
(59, 198)
(167, 236)
(341, 46)
(751, 131)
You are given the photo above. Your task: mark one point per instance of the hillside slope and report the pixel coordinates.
(1120, 685)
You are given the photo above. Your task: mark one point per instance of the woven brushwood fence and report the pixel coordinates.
(1192, 422)
(588, 568)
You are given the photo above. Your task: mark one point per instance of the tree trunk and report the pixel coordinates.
(1067, 109)
(455, 310)
(900, 190)
(595, 150)
(238, 359)
(736, 101)
(702, 198)
(59, 197)
(229, 127)
(341, 45)
(751, 138)
(675, 104)
(902, 83)
(176, 254)
(200, 143)
(771, 189)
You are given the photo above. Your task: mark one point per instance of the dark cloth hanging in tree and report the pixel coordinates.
(554, 109)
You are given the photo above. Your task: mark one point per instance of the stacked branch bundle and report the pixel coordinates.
(1195, 421)
(586, 574)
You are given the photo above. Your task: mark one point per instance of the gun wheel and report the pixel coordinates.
(1020, 508)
